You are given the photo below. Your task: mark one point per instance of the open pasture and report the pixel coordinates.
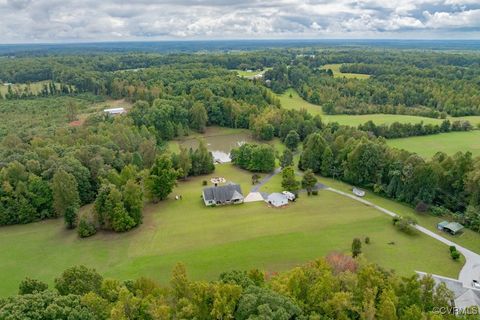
(212, 240)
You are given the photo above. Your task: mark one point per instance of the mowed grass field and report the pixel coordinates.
(449, 143)
(338, 74)
(290, 99)
(212, 240)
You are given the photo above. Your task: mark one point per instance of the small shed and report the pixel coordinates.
(441, 225)
(115, 111)
(277, 200)
(453, 228)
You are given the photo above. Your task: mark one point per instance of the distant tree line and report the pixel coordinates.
(449, 184)
(402, 130)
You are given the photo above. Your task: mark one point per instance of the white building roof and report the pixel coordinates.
(115, 110)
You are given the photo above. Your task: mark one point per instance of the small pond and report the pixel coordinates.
(220, 145)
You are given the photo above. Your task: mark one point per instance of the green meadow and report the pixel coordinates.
(338, 74)
(449, 143)
(212, 240)
(291, 100)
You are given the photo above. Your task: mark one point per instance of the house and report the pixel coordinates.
(221, 195)
(115, 111)
(277, 199)
(450, 227)
(290, 196)
(463, 296)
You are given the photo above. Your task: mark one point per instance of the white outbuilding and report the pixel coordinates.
(277, 199)
(290, 196)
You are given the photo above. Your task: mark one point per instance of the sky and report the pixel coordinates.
(34, 21)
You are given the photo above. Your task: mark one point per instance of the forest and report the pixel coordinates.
(335, 287)
(175, 94)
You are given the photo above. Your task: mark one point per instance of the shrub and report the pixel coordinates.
(29, 286)
(78, 280)
(439, 211)
(453, 248)
(86, 228)
(367, 240)
(315, 193)
(405, 224)
(204, 182)
(356, 247)
(455, 255)
(421, 207)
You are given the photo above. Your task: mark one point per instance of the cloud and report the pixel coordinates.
(93, 20)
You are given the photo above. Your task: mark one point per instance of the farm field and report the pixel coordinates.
(337, 74)
(297, 103)
(449, 143)
(211, 240)
(469, 239)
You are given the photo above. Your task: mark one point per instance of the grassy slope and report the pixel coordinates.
(337, 74)
(211, 240)
(449, 143)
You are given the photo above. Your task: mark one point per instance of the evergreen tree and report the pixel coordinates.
(289, 182)
(309, 181)
(286, 159)
(356, 247)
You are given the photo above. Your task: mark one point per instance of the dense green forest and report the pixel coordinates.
(175, 94)
(336, 287)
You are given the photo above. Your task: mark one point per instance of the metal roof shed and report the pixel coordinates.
(453, 227)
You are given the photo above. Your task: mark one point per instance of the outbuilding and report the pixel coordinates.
(277, 200)
(450, 227)
(115, 111)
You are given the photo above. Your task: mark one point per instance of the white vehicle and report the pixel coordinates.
(475, 284)
(290, 196)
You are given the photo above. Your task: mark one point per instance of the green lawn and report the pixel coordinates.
(337, 74)
(291, 100)
(449, 143)
(211, 240)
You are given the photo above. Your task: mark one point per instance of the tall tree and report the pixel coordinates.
(162, 178)
(198, 117)
(288, 180)
(184, 162)
(309, 181)
(65, 196)
(292, 140)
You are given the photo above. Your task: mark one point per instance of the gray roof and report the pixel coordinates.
(223, 193)
(277, 197)
(463, 296)
(443, 223)
(454, 226)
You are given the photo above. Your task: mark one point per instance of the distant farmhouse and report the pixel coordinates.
(115, 111)
(222, 195)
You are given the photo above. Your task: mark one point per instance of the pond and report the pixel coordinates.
(220, 145)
